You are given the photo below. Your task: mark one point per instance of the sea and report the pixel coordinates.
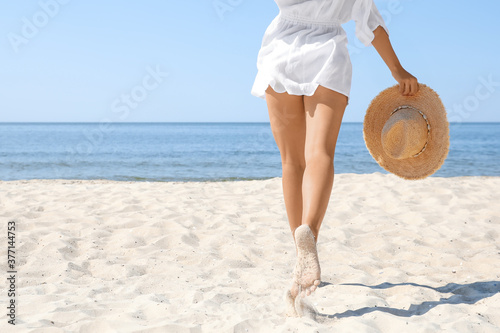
(187, 152)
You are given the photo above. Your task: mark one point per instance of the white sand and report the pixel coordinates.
(396, 256)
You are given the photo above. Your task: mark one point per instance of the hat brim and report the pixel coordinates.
(379, 111)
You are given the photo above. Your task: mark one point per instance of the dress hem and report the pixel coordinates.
(305, 89)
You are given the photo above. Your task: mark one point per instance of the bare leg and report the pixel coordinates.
(288, 124)
(306, 130)
(324, 113)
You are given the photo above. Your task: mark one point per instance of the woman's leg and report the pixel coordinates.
(306, 130)
(288, 124)
(324, 112)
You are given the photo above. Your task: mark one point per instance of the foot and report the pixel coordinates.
(307, 272)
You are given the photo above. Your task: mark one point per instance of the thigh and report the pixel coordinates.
(287, 119)
(324, 112)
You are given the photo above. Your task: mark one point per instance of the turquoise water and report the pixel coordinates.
(202, 151)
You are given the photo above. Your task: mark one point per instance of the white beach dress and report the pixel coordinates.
(306, 46)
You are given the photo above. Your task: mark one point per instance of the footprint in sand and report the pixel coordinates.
(307, 272)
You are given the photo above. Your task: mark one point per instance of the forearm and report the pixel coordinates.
(384, 48)
(408, 84)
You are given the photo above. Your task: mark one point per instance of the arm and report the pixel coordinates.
(408, 84)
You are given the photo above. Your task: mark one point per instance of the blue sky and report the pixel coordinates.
(152, 60)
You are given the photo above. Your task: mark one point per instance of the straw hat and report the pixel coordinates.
(407, 135)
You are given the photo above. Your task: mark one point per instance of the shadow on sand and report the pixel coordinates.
(462, 294)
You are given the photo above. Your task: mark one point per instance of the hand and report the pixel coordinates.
(408, 84)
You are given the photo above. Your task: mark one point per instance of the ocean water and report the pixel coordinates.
(202, 151)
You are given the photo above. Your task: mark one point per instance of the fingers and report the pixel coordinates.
(412, 86)
(414, 89)
(405, 88)
(408, 87)
(408, 84)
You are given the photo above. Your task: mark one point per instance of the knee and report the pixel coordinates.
(319, 156)
(297, 163)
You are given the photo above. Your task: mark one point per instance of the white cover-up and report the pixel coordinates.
(306, 46)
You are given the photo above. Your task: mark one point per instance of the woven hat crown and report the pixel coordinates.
(405, 133)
